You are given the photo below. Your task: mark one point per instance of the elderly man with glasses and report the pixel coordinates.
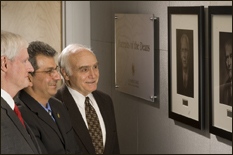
(47, 117)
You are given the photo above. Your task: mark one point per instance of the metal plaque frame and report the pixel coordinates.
(134, 55)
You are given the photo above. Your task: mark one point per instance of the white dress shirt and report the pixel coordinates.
(80, 102)
(8, 99)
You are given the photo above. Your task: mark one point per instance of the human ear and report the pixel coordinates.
(64, 74)
(3, 63)
(30, 79)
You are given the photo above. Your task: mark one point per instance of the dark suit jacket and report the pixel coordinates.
(81, 132)
(225, 93)
(15, 139)
(189, 91)
(53, 138)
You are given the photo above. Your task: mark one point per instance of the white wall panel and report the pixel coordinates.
(76, 22)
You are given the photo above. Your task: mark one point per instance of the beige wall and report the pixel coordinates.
(144, 127)
(34, 20)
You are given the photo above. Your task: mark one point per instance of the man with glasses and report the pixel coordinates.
(47, 117)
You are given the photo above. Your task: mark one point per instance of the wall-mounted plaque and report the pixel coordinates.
(134, 55)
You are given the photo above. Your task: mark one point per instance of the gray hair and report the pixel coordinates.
(36, 48)
(11, 44)
(228, 42)
(63, 59)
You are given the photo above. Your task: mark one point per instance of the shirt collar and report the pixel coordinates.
(80, 98)
(47, 108)
(8, 99)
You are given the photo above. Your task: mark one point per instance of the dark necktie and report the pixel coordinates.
(94, 127)
(50, 113)
(17, 112)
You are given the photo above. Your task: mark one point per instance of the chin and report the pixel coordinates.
(91, 90)
(25, 85)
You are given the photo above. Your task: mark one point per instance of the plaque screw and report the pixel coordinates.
(155, 18)
(153, 97)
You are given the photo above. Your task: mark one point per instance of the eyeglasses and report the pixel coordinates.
(50, 72)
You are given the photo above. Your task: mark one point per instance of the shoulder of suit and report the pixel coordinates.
(53, 101)
(103, 96)
(59, 93)
(100, 93)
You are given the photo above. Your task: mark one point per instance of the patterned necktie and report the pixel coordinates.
(94, 127)
(17, 112)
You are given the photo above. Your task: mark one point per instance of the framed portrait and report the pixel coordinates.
(220, 54)
(186, 64)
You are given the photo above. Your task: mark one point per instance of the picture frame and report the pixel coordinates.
(220, 40)
(186, 42)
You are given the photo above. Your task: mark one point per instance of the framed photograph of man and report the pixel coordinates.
(220, 54)
(225, 68)
(184, 44)
(186, 64)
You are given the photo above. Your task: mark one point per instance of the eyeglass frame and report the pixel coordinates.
(50, 71)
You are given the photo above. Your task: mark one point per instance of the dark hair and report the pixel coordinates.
(229, 42)
(36, 48)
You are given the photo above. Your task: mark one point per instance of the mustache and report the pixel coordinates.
(52, 83)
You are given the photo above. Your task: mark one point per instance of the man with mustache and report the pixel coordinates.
(91, 111)
(47, 116)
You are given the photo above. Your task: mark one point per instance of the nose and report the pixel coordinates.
(29, 67)
(56, 75)
(92, 73)
(186, 54)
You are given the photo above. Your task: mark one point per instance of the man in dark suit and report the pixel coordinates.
(16, 135)
(79, 68)
(47, 117)
(185, 83)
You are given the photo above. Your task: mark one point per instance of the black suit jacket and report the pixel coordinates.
(15, 139)
(189, 91)
(81, 132)
(53, 138)
(225, 93)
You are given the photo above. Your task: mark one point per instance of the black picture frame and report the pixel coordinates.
(183, 106)
(219, 123)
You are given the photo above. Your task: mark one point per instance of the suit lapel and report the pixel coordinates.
(18, 124)
(36, 108)
(60, 124)
(33, 138)
(77, 121)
